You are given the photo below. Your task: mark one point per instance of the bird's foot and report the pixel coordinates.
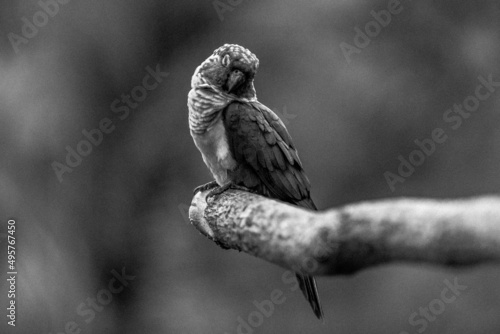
(219, 190)
(205, 187)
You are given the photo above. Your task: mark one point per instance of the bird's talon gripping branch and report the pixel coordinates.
(219, 190)
(205, 187)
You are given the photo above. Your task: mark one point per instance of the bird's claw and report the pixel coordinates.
(219, 190)
(205, 187)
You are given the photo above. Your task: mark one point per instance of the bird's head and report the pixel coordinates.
(229, 70)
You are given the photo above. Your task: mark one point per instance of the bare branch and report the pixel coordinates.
(353, 237)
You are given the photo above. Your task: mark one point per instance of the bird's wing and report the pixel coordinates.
(259, 139)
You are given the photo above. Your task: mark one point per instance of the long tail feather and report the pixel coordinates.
(307, 283)
(308, 286)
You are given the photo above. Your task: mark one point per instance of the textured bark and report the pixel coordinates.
(353, 237)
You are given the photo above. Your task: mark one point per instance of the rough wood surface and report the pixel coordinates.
(353, 237)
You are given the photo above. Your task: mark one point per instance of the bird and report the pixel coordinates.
(244, 144)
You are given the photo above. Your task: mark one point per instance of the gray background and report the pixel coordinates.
(125, 204)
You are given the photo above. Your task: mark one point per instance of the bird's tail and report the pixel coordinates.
(307, 283)
(308, 286)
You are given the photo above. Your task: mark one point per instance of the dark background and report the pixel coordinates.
(125, 205)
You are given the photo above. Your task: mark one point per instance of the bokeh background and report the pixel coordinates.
(125, 205)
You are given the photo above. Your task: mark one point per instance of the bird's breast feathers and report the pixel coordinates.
(215, 151)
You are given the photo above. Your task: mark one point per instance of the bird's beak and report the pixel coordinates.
(235, 80)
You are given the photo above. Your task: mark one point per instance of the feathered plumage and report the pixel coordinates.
(242, 141)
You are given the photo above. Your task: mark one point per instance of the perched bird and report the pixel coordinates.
(243, 143)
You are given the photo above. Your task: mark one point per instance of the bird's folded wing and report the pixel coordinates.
(259, 139)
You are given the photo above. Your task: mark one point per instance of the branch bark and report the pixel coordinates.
(353, 237)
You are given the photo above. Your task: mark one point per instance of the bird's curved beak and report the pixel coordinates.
(235, 80)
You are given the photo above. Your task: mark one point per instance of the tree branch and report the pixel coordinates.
(352, 237)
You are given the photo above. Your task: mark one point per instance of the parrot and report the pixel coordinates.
(244, 144)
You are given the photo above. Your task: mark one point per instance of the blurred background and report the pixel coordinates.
(123, 209)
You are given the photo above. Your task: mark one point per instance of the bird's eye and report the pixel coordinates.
(225, 61)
